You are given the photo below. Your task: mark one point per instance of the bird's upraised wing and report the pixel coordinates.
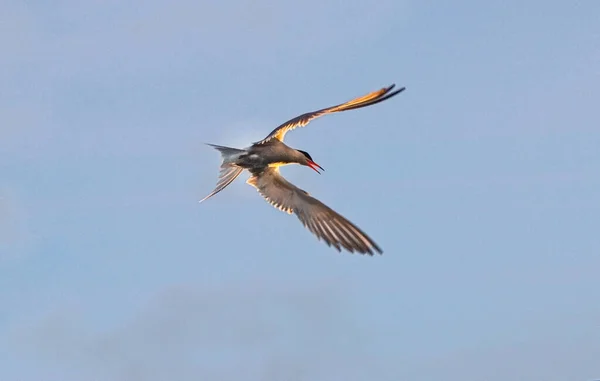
(321, 220)
(304, 119)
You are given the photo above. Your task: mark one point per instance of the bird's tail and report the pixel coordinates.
(229, 170)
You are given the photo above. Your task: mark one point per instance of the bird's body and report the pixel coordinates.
(273, 153)
(263, 159)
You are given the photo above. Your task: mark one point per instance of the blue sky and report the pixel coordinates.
(480, 182)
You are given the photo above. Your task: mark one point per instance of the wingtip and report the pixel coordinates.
(390, 87)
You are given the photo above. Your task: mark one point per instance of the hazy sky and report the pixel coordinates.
(481, 183)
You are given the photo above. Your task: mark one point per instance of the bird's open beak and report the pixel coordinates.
(314, 166)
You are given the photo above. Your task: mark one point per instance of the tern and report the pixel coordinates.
(263, 159)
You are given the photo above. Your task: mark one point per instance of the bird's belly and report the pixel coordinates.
(278, 164)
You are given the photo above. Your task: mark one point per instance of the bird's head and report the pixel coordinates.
(308, 161)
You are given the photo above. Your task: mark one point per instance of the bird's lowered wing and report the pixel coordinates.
(321, 220)
(304, 119)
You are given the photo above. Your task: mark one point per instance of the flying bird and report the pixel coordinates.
(263, 159)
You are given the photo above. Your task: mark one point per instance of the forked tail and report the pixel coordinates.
(229, 170)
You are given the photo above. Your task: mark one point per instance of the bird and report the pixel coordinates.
(263, 160)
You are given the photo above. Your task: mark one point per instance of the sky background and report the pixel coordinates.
(481, 183)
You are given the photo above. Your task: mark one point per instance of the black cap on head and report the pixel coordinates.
(305, 154)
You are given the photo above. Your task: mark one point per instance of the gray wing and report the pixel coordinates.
(304, 119)
(321, 220)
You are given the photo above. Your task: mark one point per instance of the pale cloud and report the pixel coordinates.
(255, 331)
